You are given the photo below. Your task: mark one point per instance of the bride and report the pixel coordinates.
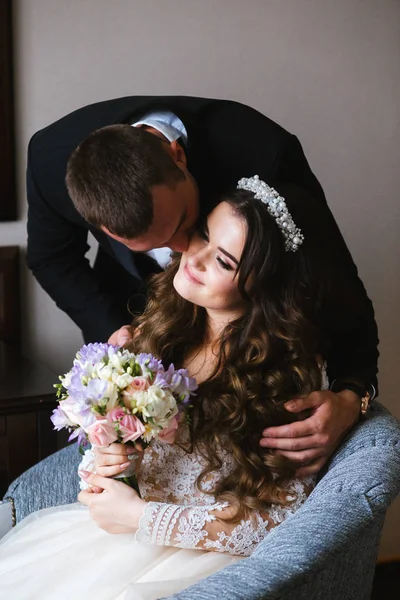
(237, 310)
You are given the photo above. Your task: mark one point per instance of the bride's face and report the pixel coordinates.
(207, 271)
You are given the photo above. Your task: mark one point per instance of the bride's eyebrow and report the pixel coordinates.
(228, 255)
(204, 226)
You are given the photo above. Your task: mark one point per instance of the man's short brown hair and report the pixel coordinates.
(110, 176)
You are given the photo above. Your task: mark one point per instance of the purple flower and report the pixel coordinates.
(95, 390)
(160, 380)
(76, 388)
(180, 383)
(60, 419)
(94, 353)
(78, 412)
(80, 434)
(147, 361)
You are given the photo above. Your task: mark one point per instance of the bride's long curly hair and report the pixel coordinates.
(266, 357)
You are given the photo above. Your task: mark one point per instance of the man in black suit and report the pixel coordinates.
(187, 152)
(222, 141)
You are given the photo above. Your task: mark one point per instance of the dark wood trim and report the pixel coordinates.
(8, 202)
(27, 400)
(10, 321)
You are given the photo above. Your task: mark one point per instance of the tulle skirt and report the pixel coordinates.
(60, 553)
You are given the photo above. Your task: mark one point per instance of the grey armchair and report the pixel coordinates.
(327, 550)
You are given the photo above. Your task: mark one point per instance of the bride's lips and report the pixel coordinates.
(189, 275)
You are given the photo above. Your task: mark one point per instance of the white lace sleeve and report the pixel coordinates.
(203, 526)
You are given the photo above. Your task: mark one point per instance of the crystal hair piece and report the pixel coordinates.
(277, 208)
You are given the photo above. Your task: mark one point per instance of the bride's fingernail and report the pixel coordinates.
(84, 474)
(124, 465)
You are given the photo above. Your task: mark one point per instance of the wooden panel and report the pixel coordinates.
(8, 204)
(10, 321)
(47, 435)
(22, 441)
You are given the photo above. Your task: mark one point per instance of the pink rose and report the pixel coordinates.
(138, 384)
(131, 428)
(101, 433)
(168, 434)
(115, 414)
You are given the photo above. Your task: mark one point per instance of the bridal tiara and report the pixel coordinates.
(277, 208)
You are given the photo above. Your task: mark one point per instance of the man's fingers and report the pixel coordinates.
(121, 336)
(299, 404)
(305, 457)
(294, 430)
(124, 335)
(292, 444)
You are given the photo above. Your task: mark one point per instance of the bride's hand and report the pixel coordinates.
(117, 509)
(116, 458)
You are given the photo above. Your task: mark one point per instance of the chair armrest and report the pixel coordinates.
(6, 517)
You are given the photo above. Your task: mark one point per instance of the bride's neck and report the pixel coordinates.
(202, 360)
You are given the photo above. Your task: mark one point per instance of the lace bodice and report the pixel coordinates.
(179, 514)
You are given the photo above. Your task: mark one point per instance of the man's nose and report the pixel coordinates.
(179, 243)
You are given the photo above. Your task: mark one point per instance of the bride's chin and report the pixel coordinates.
(181, 286)
(178, 285)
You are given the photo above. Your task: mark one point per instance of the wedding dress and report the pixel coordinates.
(61, 553)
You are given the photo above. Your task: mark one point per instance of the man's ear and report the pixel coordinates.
(177, 153)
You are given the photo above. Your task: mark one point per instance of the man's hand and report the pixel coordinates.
(121, 336)
(311, 442)
(117, 509)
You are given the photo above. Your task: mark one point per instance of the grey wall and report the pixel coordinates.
(327, 71)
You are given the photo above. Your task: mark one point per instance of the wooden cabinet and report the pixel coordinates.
(27, 398)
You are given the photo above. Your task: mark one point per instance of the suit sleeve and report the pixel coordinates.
(56, 255)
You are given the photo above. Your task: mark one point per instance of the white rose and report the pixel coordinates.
(140, 400)
(161, 405)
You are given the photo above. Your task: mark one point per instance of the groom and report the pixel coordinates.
(138, 173)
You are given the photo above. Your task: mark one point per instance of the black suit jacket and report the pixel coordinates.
(226, 141)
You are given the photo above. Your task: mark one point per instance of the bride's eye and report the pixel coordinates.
(203, 234)
(223, 264)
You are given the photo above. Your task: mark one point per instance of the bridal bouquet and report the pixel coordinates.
(113, 395)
